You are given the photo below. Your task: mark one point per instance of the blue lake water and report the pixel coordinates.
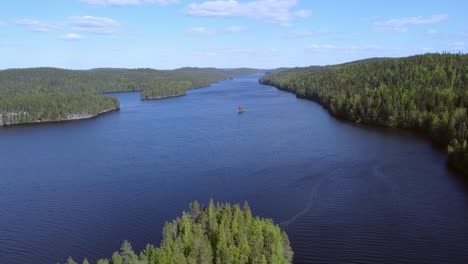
(344, 193)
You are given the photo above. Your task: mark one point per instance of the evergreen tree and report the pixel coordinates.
(426, 92)
(221, 234)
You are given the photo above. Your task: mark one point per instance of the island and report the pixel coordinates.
(217, 233)
(166, 89)
(426, 92)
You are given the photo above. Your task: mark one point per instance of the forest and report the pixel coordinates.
(217, 233)
(243, 71)
(425, 92)
(166, 89)
(50, 94)
(49, 107)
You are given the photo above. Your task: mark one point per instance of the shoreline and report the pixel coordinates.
(162, 97)
(70, 118)
(82, 116)
(451, 159)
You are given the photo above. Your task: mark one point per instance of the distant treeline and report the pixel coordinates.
(216, 234)
(427, 92)
(33, 95)
(165, 89)
(243, 71)
(49, 107)
(53, 80)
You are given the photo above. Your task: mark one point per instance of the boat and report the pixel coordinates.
(240, 109)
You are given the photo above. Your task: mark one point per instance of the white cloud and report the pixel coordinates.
(35, 25)
(322, 46)
(202, 31)
(73, 36)
(210, 31)
(435, 34)
(234, 29)
(309, 33)
(273, 11)
(120, 3)
(214, 8)
(91, 24)
(235, 52)
(347, 49)
(457, 46)
(98, 25)
(303, 13)
(402, 24)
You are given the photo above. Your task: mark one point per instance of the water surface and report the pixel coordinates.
(344, 193)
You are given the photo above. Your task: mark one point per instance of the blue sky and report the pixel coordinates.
(166, 34)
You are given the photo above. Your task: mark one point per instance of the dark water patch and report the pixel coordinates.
(344, 193)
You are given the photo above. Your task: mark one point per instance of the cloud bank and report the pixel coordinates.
(273, 11)
(403, 24)
(121, 3)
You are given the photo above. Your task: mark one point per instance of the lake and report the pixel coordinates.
(344, 193)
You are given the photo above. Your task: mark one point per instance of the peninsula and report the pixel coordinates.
(424, 92)
(39, 95)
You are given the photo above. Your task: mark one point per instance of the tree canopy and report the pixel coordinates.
(165, 89)
(213, 234)
(427, 92)
(51, 94)
(45, 107)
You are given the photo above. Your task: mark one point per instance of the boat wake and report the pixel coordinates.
(312, 198)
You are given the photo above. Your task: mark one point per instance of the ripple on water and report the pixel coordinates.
(344, 194)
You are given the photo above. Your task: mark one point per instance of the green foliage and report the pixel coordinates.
(49, 94)
(243, 71)
(71, 261)
(216, 234)
(427, 92)
(166, 89)
(52, 107)
(98, 81)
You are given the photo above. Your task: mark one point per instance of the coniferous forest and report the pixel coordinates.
(425, 92)
(46, 107)
(135, 132)
(50, 94)
(166, 89)
(217, 233)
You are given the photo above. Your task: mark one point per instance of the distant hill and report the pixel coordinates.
(243, 71)
(45, 94)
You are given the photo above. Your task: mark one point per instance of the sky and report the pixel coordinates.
(168, 34)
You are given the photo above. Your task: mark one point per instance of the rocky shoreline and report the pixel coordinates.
(162, 97)
(71, 117)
